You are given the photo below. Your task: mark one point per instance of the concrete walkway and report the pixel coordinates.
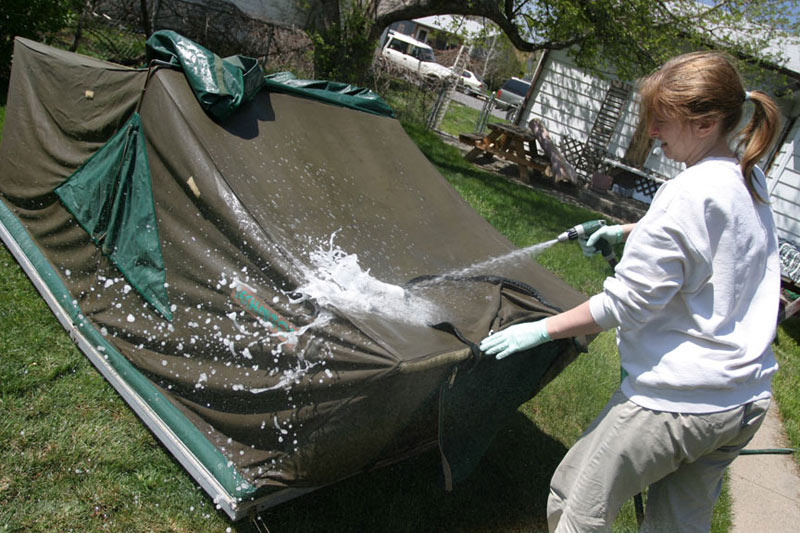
(765, 489)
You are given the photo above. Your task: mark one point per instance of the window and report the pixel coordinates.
(425, 54)
(400, 46)
(517, 86)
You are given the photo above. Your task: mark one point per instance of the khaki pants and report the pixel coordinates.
(681, 457)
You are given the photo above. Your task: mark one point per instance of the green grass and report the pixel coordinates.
(462, 119)
(786, 383)
(413, 104)
(75, 457)
(107, 43)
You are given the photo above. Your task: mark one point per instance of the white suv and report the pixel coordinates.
(413, 55)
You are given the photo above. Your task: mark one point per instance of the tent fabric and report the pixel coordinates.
(111, 197)
(334, 92)
(187, 432)
(292, 392)
(220, 85)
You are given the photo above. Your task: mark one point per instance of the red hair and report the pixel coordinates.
(706, 85)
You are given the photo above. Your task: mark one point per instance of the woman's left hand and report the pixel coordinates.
(516, 338)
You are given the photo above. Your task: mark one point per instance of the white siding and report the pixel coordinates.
(785, 192)
(566, 99)
(625, 128)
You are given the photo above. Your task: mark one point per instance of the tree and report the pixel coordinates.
(629, 37)
(501, 62)
(33, 19)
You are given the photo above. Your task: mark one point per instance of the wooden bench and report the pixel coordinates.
(519, 145)
(472, 139)
(789, 303)
(508, 142)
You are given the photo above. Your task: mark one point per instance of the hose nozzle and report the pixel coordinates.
(583, 231)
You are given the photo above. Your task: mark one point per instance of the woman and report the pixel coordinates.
(694, 301)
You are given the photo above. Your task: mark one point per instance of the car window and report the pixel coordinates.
(516, 86)
(425, 54)
(400, 46)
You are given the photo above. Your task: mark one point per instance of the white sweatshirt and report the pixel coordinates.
(695, 295)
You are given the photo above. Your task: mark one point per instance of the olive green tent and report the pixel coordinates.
(177, 231)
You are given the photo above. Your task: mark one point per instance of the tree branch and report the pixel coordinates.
(389, 11)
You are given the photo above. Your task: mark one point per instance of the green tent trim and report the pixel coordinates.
(220, 85)
(223, 85)
(111, 197)
(211, 458)
(333, 92)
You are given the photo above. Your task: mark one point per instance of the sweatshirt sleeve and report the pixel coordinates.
(661, 258)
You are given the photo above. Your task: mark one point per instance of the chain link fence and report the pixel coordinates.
(116, 31)
(101, 32)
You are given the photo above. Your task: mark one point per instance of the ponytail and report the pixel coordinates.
(757, 136)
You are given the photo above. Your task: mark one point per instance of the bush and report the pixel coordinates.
(32, 19)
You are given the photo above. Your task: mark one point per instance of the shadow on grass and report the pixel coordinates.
(792, 327)
(507, 492)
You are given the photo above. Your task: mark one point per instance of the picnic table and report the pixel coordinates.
(789, 299)
(530, 148)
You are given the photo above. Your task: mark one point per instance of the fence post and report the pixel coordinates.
(483, 118)
(446, 94)
(440, 107)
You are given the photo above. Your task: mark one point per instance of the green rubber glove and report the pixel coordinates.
(516, 338)
(611, 234)
(588, 251)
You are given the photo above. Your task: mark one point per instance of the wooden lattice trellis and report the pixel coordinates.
(646, 186)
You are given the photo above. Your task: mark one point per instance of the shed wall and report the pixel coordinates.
(567, 100)
(785, 190)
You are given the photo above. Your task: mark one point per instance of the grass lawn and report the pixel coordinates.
(786, 384)
(463, 119)
(77, 458)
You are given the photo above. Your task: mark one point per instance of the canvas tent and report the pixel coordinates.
(172, 241)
